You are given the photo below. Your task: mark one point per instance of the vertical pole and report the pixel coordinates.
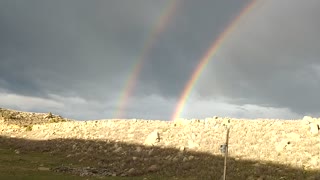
(226, 155)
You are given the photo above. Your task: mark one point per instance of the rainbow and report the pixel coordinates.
(130, 83)
(205, 60)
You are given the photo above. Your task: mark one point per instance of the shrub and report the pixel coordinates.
(29, 128)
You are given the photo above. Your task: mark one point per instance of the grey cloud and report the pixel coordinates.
(189, 34)
(80, 54)
(71, 45)
(268, 60)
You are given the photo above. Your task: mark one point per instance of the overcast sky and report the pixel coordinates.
(73, 57)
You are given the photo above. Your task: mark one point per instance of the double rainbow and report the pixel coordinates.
(206, 59)
(158, 28)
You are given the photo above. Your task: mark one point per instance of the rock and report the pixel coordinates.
(153, 168)
(182, 148)
(150, 152)
(43, 168)
(134, 158)
(69, 155)
(314, 128)
(175, 159)
(131, 171)
(138, 149)
(257, 165)
(192, 145)
(152, 139)
(191, 158)
(74, 147)
(185, 159)
(307, 119)
(17, 151)
(118, 150)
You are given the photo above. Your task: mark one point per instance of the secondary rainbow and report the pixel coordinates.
(205, 60)
(130, 83)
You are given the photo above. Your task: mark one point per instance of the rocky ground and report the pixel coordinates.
(135, 147)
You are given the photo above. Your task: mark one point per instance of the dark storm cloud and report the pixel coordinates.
(76, 46)
(189, 34)
(75, 56)
(270, 60)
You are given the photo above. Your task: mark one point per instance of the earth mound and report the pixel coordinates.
(21, 118)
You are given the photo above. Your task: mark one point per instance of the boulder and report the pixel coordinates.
(152, 139)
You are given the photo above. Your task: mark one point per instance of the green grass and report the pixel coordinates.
(35, 154)
(25, 167)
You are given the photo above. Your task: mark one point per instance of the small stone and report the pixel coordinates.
(131, 171)
(185, 159)
(153, 168)
(17, 151)
(138, 149)
(118, 150)
(191, 158)
(257, 165)
(134, 158)
(69, 155)
(43, 168)
(74, 147)
(175, 159)
(150, 152)
(182, 148)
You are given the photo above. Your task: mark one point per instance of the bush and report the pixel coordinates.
(29, 128)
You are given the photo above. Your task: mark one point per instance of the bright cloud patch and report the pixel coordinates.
(216, 107)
